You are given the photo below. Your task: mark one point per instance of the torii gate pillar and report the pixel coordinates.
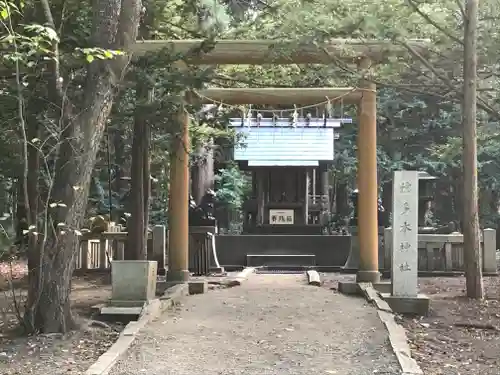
(367, 180)
(179, 204)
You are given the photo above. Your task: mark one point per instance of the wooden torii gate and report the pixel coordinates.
(259, 52)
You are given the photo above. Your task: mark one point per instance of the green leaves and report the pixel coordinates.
(7, 9)
(91, 54)
(45, 32)
(231, 187)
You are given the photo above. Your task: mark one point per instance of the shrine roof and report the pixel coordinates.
(280, 144)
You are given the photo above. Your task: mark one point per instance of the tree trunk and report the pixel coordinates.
(472, 249)
(140, 184)
(202, 173)
(136, 247)
(119, 159)
(146, 176)
(82, 128)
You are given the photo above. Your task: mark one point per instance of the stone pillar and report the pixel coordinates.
(404, 262)
(387, 248)
(367, 181)
(260, 197)
(159, 245)
(490, 251)
(314, 193)
(324, 182)
(179, 204)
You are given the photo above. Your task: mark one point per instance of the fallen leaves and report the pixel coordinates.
(460, 336)
(55, 353)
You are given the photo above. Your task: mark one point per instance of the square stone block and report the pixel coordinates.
(349, 287)
(133, 280)
(418, 305)
(217, 270)
(198, 287)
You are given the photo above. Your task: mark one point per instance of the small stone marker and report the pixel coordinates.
(198, 287)
(313, 278)
(404, 270)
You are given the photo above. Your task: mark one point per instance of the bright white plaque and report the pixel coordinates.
(281, 217)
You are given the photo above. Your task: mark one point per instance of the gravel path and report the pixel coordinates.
(272, 325)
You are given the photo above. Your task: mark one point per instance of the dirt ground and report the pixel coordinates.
(460, 336)
(54, 354)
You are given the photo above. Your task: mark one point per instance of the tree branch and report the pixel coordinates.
(56, 82)
(482, 103)
(433, 23)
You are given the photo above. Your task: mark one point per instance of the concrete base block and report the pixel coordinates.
(177, 276)
(368, 277)
(348, 287)
(161, 286)
(115, 310)
(352, 262)
(198, 287)
(125, 303)
(175, 292)
(217, 270)
(116, 307)
(408, 305)
(383, 287)
(133, 280)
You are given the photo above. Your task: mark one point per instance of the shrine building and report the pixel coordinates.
(289, 163)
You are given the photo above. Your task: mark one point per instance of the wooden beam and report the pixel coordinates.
(258, 52)
(277, 96)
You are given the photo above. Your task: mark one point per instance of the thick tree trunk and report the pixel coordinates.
(140, 188)
(82, 129)
(136, 246)
(49, 309)
(146, 176)
(472, 247)
(119, 159)
(203, 176)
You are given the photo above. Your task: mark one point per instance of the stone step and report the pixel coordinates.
(291, 260)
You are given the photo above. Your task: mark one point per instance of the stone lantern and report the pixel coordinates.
(425, 195)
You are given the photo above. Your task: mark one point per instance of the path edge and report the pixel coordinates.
(240, 277)
(151, 311)
(396, 332)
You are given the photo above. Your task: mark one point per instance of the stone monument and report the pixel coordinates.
(404, 296)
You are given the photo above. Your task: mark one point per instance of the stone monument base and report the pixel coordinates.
(408, 305)
(114, 307)
(133, 280)
(349, 287)
(177, 277)
(197, 287)
(352, 287)
(368, 277)
(383, 287)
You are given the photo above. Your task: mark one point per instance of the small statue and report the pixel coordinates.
(381, 215)
(202, 214)
(207, 204)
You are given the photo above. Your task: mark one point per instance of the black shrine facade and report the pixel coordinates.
(289, 164)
